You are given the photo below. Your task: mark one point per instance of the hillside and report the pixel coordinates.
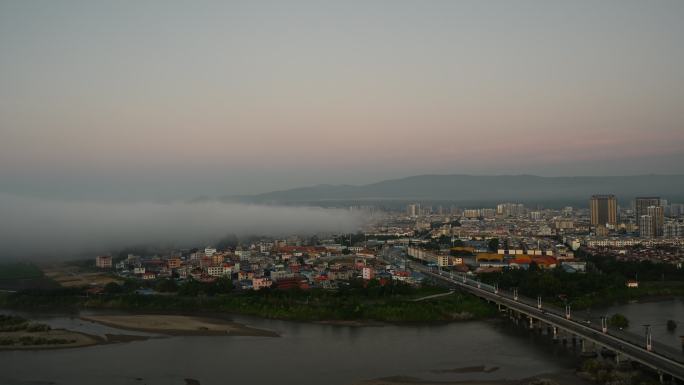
(473, 188)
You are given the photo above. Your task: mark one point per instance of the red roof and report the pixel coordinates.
(545, 260)
(521, 260)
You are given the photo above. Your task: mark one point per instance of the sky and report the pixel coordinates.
(163, 100)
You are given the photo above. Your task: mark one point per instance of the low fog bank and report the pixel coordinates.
(35, 228)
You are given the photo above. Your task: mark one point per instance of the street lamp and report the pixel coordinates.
(649, 340)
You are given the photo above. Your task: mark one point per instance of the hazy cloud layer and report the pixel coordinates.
(43, 228)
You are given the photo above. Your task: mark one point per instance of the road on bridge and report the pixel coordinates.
(666, 360)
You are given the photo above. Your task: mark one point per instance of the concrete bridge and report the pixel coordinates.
(667, 362)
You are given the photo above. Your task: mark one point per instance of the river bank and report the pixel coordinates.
(178, 325)
(22, 333)
(364, 305)
(50, 339)
(558, 378)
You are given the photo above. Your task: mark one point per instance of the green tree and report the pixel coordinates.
(458, 243)
(130, 285)
(493, 244)
(671, 325)
(166, 286)
(533, 267)
(191, 288)
(223, 285)
(113, 288)
(618, 320)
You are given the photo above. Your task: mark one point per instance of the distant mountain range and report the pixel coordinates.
(478, 188)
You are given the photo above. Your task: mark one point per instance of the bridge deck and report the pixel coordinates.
(663, 359)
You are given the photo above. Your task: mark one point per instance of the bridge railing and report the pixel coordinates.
(629, 337)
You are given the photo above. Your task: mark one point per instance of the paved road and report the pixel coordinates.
(670, 362)
(433, 296)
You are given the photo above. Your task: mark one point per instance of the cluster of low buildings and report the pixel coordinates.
(264, 265)
(506, 236)
(469, 259)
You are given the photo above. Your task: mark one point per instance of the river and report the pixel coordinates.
(305, 354)
(309, 353)
(656, 314)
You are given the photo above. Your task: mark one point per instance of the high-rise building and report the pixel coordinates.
(103, 261)
(413, 210)
(646, 226)
(471, 213)
(641, 205)
(488, 213)
(658, 219)
(676, 210)
(502, 209)
(651, 224)
(603, 210)
(673, 230)
(510, 209)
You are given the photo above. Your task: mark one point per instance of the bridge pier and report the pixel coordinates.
(580, 334)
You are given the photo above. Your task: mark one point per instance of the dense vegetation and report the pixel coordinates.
(15, 275)
(604, 283)
(34, 341)
(607, 372)
(16, 330)
(359, 301)
(9, 323)
(19, 270)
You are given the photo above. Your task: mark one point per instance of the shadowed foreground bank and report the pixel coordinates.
(391, 303)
